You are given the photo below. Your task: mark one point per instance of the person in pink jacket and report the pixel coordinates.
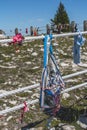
(17, 40)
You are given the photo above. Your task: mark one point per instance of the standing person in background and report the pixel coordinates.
(48, 29)
(26, 30)
(35, 32)
(31, 30)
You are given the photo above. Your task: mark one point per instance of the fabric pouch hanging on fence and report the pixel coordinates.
(80, 40)
(50, 95)
(51, 85)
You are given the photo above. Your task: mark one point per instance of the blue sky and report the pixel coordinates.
(24, 13)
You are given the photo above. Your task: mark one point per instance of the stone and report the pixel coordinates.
(34, 54)
(82, 121)
(9, 118)
(68, 127)
(52, 128)
(65, 95)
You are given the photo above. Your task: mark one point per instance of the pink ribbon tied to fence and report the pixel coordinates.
(24, 109)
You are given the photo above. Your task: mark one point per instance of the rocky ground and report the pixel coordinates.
(22, 69)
